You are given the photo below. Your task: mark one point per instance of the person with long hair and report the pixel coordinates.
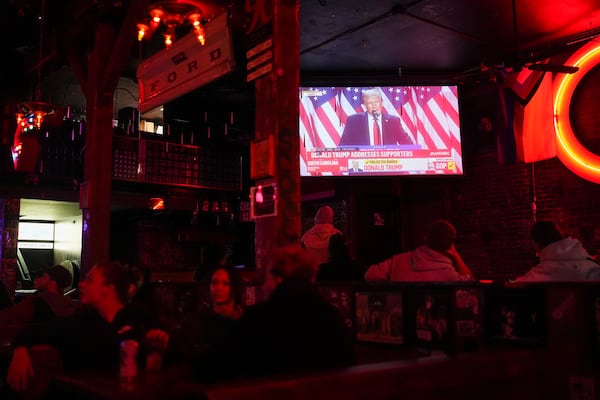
(88, 339)
(204, 337)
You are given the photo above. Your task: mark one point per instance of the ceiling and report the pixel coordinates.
(48, 210)
(340, 40)
(346, 40)
(437, 38)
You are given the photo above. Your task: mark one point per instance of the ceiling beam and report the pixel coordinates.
(122, 47)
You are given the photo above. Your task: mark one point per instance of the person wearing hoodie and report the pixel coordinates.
(561, 258)
(48, 303)
(436, 261)
(316, 240)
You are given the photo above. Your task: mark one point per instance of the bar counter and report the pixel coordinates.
(515, 374)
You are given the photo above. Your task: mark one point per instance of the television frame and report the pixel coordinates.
(428, 113)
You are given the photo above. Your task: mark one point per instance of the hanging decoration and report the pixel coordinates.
(173, 18)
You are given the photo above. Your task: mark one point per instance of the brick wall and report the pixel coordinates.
(492, 210)
(492, 205)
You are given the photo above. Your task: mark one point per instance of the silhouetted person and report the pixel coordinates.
(295, 329)
(340, 267)
(316, 239)
(90, 338)
(561, 258)
(49, 302)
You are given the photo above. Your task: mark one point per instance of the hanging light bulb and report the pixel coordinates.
(19, 117)
(196, 21)
(168, 41)
(156, 14)
(31, 114)
(142, 29)
(200, 34)
(38, 117)
(176, 16)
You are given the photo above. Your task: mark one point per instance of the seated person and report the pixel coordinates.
(48, 303)
(295, 329)
(90, 338)
(437, 260)
(316, 240)
(205, 336)
(141, 297)
(340, 267)
(561, 258)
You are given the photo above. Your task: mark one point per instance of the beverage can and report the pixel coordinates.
(128, 369)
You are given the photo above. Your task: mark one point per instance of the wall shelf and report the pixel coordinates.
(153, 161)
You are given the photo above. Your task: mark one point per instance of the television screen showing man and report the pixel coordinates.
(355, 167)
(373, 127)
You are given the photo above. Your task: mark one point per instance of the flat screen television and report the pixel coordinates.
(384, 130)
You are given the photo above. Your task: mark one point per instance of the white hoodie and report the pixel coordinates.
(316, 242)
(420, 265)
(565, 260)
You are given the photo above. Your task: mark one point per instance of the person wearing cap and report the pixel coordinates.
(316, 239)
(436, 261)
(49, 302)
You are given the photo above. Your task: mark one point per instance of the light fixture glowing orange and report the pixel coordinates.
(142, 29)
(173, 14)
(156, 14)
(569, 149)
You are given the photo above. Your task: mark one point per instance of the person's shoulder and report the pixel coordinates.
(391, 117)
(357, 115)
(255, 317)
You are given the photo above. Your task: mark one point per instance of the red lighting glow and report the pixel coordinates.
(570, 151)
(259, 196)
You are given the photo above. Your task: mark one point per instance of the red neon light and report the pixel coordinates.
(570, 151)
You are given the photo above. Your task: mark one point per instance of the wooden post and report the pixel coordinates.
(277, 111)
(99, 80)
(9, 229)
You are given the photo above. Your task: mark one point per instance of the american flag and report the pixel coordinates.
(428, 113)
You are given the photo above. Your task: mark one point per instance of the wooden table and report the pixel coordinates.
(107, 385)
(515, 374)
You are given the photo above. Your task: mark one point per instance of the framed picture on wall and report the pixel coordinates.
(379, 317)
(342, 298)
(515, 315)
(466, 330)
(432, 314)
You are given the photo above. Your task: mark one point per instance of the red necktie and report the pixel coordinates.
(376, 133)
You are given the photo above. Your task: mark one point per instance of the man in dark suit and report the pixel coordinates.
(355, 167)
(373, 127)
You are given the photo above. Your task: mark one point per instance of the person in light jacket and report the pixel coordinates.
(561, 258)
(316, 240)
(436, 261)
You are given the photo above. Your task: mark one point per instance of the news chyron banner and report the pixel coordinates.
(340, 161)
